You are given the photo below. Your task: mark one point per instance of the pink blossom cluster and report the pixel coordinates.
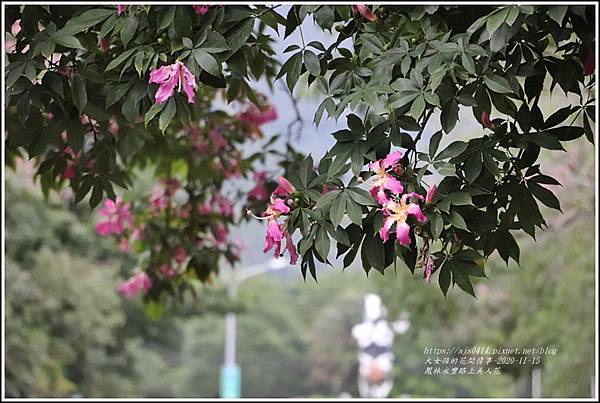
(259, 191)
(230, 168)
(117, 215)
(138, 282)
(169, 269)
(224, 205)
(161, 195)
(255, 116)
(277, 232)
(396, 207)
(201, 9)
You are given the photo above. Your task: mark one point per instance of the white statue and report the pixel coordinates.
(375, 337)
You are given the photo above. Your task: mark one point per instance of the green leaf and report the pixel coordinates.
(322, 243)
(75, 135)
(449, 116)
(373, 250)
(167, 115)
(457, 221)
(120, 59)
(338, 209)
(437, 224)
(444, 277)
(128, 31)
(354, 211)
(473, 168)
(417, 107)
(496, 19)
(557, 13)
(544, 195)
(545, 140)
(238, 35)
(67, 41)
(434, 143)
(497, 84)
(293, 73)
(166, 17)
(152, 112)
(214, 43)
(326, 199)
(461, 278)
(361, 196)
(311, 61)
(460, 198)
(116, 92)
(96, 196)
(454, 149)
(79, 93)
(85, 20)
(207, 62)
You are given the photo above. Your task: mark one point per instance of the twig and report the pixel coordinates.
(298, 118)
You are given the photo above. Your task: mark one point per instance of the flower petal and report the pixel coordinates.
(415, 209)
(393, 184)
(285, 188)
(392, 158)
(384, 231)
(403, 233)
(161, 74)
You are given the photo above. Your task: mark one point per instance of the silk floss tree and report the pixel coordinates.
(96, 92)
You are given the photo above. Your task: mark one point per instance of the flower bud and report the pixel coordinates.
(485, 119)
(431, 192)
(104, 44)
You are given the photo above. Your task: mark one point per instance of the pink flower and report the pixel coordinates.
(180, 255)
(220, 232)
(225, 205)
(136, 233)
(397, 213)
(259, 191)
(285, 188)
(131, 287)
(385, 180)
(70, 172)
(117, 214)
(167, 270)
(124, 244)
(218, 141)
(204, 208)
(290, 247)
(256, 117)
(431, 192)
(590, 64)
(276, 207)
(485, 119)
(364, 11)
(15, 28)
(275, 234)
(170, 77)
(201, 9)
(120, 9)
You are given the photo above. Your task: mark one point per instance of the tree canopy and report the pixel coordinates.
(95, 92)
